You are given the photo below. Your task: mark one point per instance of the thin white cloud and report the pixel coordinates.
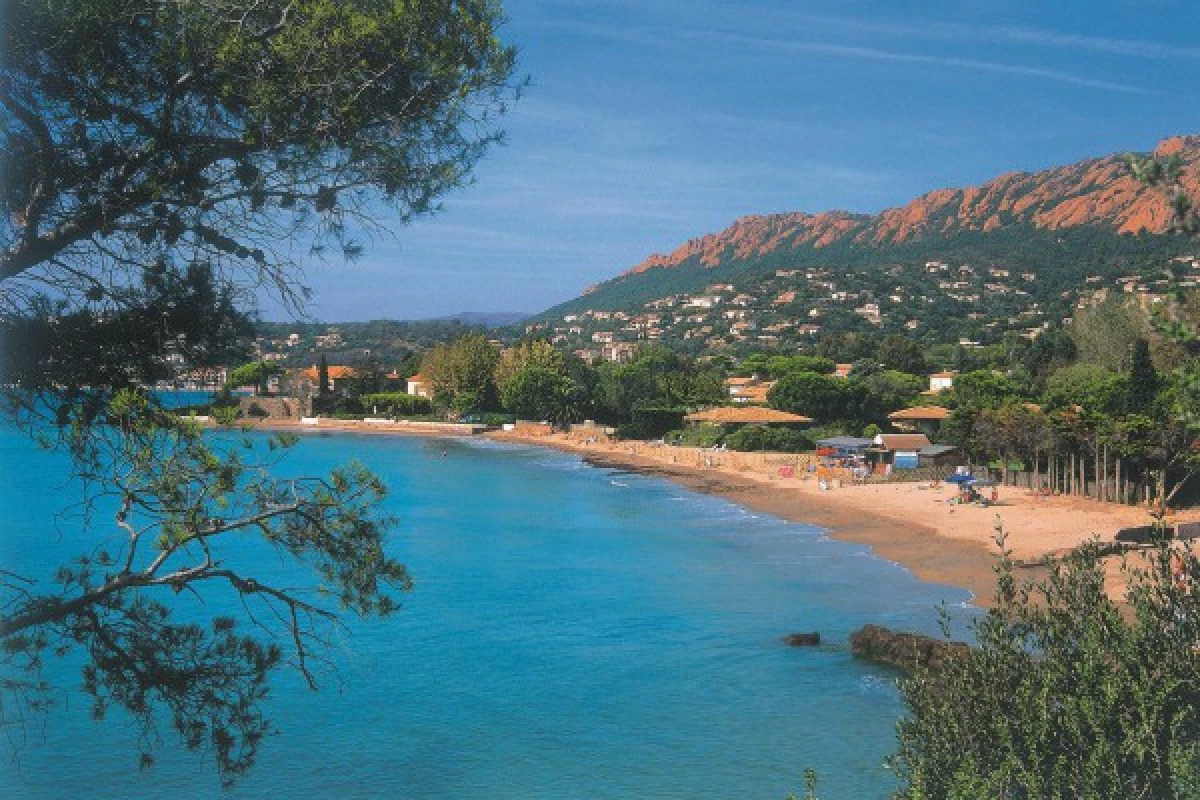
(1136, 48)
(932, 29)
(876, 54)
(657, 37)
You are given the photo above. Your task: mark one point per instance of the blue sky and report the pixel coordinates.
(649, 123)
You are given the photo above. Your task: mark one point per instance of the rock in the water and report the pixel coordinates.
(905, 651)
(802, 639)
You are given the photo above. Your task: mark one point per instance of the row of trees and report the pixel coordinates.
(534, 380)
(1115, 436)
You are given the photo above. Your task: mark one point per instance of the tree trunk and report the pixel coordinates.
(1179, 485)
(1105, 495)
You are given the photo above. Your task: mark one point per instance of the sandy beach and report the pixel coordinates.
(909, 523)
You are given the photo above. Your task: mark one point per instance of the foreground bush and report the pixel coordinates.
(1067, 696)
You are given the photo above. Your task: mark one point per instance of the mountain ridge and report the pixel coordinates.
(1095, 191)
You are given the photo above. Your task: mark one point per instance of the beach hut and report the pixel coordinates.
(901, 450)
(939, 455)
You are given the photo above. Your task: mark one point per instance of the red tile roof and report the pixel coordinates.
(920, 413)
(903, 441)
(336, 373)
(745, 415)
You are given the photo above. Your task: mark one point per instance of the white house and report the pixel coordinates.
(941, 381)
(417, 386)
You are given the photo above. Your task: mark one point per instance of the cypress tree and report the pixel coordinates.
(323, 376)
(1143, 379)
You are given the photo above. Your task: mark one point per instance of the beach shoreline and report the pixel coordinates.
(911, 524)
(963, 564)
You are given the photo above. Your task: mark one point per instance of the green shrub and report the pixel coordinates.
(652, 423)
(700, 436)
(750, 438)
(1066, 694)
(394, 404)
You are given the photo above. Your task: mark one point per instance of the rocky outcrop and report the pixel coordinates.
(904, 651)
(1098, 191)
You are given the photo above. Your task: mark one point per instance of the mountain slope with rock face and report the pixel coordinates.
(1098, 192)
(1064, 220)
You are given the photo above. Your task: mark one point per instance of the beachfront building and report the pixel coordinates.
(920, 419)
(901, 450)
(939, 455)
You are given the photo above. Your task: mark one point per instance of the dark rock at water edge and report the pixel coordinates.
(802, 639)
(904, 651)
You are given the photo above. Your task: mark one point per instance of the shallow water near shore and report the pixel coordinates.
(573, 632)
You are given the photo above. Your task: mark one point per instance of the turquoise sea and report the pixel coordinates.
(573, 633)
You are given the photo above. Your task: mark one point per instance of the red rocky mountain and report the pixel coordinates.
(1095, 191)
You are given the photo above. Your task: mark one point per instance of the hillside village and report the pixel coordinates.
(935, 301)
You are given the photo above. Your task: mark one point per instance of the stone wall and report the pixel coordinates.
(268, 408)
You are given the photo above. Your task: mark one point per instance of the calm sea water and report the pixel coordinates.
(573, 633)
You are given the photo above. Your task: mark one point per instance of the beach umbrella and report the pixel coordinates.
(960, 477)
(982, 483)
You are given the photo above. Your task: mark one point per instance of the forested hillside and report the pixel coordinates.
(1011, 255)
